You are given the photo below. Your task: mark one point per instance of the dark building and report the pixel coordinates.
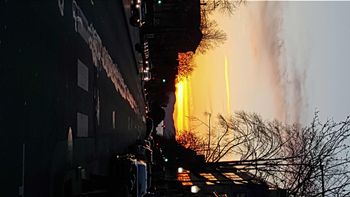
(220, 179)
(174, 28)
(176, 25)
(187, 174)
(62, 91)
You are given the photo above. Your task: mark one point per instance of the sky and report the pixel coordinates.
(283, 60)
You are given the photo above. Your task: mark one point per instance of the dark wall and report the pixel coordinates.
(40, 99)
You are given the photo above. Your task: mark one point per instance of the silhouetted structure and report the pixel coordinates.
(186, 169)
(175, 28)
(219, 179)
(70, 93)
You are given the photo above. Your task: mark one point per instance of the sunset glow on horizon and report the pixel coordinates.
(278, 61)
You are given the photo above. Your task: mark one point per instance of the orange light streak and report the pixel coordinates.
(186, 105)
(182, 110)
(179, 106)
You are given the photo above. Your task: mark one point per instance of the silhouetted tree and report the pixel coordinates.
(223, 6)
(190, 140)
(310, 160)
(212, 36)
(186, 64)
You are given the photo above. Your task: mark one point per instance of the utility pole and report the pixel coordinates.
(209, 135)
(322, 179)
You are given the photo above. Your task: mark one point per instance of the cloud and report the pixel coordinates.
(296, 95)
(278, 61)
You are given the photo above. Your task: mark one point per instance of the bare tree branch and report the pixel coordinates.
(224, 6)
(299, 159)
(212, 35)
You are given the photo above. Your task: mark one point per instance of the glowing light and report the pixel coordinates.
(227, 81)
(185, 105)
(187, 183)
(182, 110)
(179, 106)
(184, 178)
(195, 189)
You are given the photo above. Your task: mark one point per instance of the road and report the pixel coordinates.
(71, 96)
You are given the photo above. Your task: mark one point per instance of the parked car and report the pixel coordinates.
(137, 13)
(129, 176)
